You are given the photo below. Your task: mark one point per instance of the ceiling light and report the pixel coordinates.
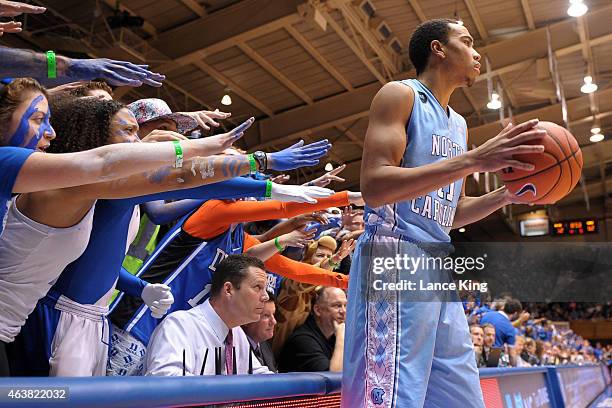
(461, 229)
(597, 137)
(227, 99)
(494, 103)
(589, 86)
(577, 8)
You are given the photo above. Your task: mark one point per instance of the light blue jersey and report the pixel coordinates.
(432, 135)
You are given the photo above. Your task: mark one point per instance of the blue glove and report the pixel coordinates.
(116, 73)
(298, 155)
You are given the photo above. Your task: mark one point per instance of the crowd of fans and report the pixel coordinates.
(505, 334)
(249, 272)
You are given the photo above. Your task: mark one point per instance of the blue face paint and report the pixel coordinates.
(22, 131)
(45, 127)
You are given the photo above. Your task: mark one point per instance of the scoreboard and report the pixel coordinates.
(575, 227)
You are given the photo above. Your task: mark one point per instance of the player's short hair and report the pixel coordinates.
(233, 269)
(419, 48)
(475, 325)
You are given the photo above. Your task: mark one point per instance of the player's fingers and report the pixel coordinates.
(522, 127)
(527, 136)
(526, 149)
(518, 165)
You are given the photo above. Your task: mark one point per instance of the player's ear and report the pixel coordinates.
(437, 49)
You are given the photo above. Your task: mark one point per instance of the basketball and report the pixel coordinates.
(556, 172)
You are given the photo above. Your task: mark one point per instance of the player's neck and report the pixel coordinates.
(439, 84)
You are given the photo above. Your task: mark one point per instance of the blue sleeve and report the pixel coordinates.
(511, 335)
(238, 187)
(11, 161)
(130, 284)
(160, 212)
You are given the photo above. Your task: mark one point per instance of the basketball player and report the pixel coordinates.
(415, 158)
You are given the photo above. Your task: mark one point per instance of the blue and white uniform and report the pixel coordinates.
(84, 289)
(398, 352)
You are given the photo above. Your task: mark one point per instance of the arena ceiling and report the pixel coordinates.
(309, 69)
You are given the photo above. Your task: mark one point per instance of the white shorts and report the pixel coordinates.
(127, 354)
(80, 344)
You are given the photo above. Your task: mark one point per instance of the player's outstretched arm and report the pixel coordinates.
(384, 182)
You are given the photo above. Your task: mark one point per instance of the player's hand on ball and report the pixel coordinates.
(497, 153)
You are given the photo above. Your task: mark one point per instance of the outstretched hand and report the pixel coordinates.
(298, 155)
(327, 178)
(15, 8)
(206, 118)
(299, 194)
(218, 143)
(117, 73)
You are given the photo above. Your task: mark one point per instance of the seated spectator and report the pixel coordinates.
(529, 352)
(502, 320)
(478, 341)
(516, 352)
(259, 333)
(208, 339)
(295, 298)
(318, 344)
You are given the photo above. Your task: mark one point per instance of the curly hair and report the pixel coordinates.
(12, 95)
(91, 86)
(419, 48)
(81, 123)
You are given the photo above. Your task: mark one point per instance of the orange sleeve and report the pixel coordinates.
(299, 271)
(215, 216)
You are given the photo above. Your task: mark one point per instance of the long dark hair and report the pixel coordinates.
(81, 123)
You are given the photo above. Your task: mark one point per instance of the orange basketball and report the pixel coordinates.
(556, 172)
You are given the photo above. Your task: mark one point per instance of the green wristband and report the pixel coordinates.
(278, 245)
(51, 65)
(252, 163)
(268, 189)
(178, 150)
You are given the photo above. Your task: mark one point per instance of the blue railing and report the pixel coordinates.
(514, 386)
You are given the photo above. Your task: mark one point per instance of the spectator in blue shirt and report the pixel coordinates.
(505, 333)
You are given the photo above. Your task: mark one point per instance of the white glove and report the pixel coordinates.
(299, 194)
(158, 297)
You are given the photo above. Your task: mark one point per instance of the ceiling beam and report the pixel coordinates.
(482, 31)
(196, 7)
(240, 22)
(272, 70)
(417, 9)
(528, 14)
(353, 46)
(350, 15)
(234, 87)
(318, 57)
(350, 135)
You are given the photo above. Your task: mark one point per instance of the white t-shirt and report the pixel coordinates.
(32, 256)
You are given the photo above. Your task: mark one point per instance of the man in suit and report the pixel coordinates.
(258, 333)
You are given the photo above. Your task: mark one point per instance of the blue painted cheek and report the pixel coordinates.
(45, 127)
(18, 138)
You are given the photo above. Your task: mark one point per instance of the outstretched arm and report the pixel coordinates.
(26, 63)
(161, 212)
(46, 171)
